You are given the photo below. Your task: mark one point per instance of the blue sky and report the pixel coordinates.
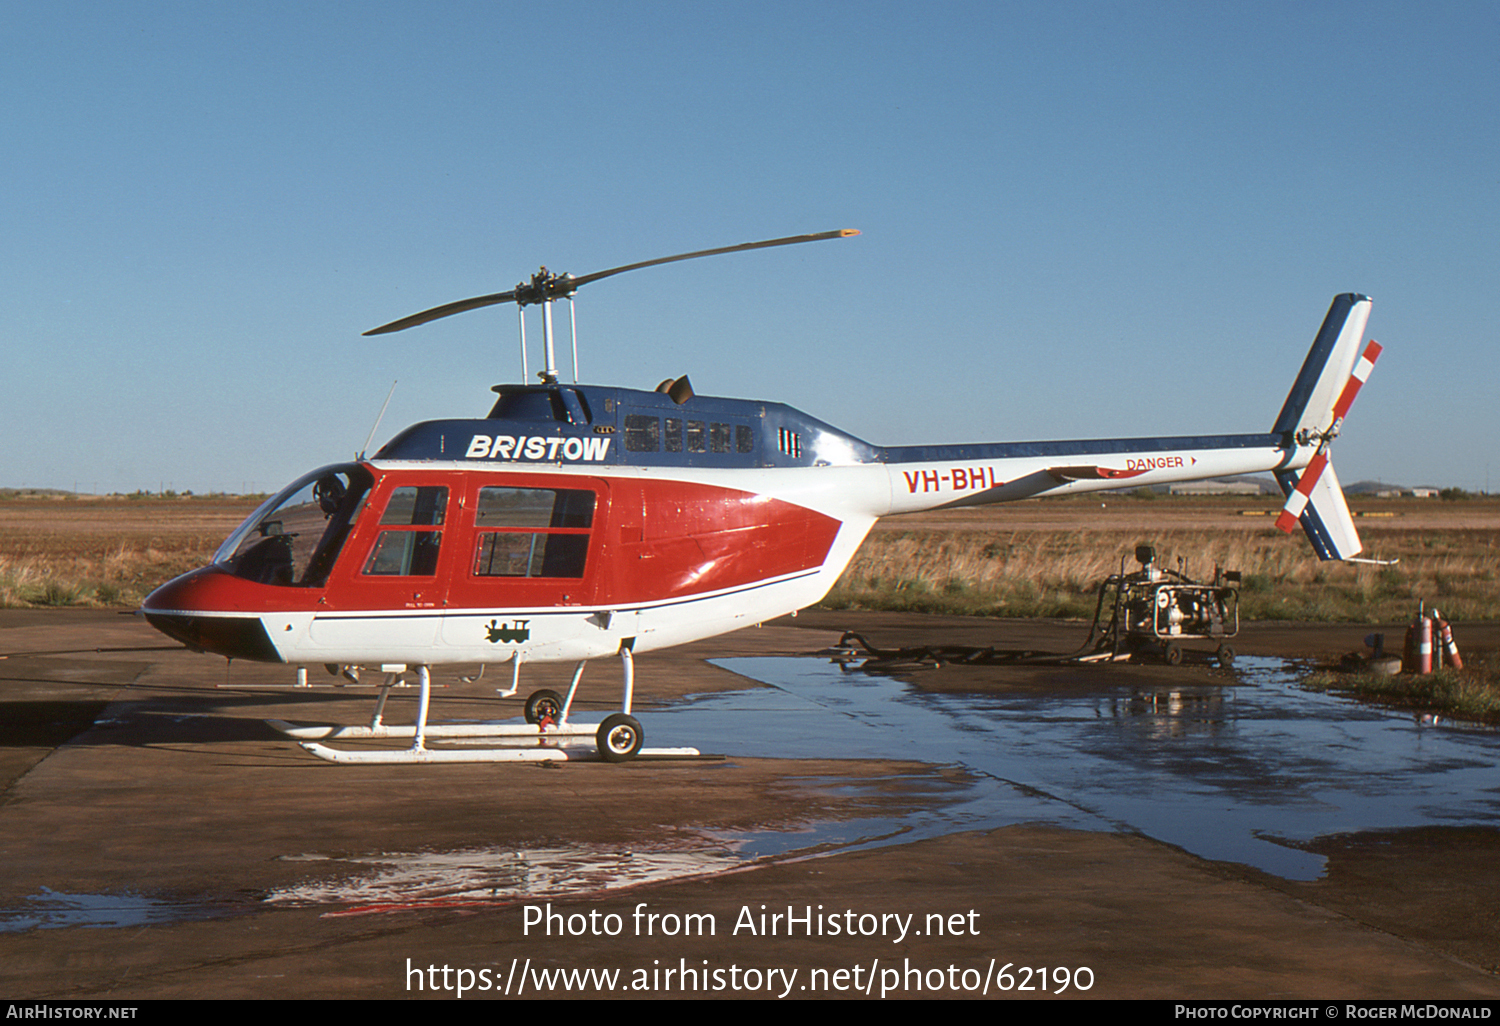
(1080, 219)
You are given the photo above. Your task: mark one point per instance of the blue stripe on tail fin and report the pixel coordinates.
(1309, 405)
(1326, 518)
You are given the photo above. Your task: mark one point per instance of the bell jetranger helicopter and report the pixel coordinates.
(577, 522)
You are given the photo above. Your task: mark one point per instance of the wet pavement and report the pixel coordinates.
(178, 847)
(1231, 768)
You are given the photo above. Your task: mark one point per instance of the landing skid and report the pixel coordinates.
(549, 736)
(330, 732)
(576, 753)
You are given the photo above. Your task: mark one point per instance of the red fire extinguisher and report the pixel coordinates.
(1448, 649)
(1418, 656)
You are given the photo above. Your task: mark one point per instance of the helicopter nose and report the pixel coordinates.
(195, 610)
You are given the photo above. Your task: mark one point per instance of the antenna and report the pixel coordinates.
(546, 287)
(376, 426)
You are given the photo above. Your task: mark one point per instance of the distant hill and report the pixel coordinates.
(34, 493)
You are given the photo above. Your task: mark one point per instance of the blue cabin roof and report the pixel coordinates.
(607, 426)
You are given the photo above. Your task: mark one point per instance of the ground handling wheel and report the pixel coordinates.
(1225, 656)
(545, 704)
(619, 737)
(1173, 654)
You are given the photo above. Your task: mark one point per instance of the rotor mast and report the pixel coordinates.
(543, 289)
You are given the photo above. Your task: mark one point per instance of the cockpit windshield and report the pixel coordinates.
(295, 536)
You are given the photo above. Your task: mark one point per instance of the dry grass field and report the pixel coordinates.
(106, 552)
(1037, 558)
(1047, 557)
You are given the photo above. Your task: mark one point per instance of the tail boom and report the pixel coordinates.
(1295, 450)
(935, 477)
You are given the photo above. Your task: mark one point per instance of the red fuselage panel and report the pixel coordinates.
(676, 539)
(647, 541)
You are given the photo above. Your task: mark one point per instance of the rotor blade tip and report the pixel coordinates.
(844, 233)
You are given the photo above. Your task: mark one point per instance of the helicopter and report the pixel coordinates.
(577, 522)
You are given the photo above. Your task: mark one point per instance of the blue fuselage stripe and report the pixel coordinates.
(1103, 446)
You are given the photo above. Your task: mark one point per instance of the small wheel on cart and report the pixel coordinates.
(1225, 656)
(619, 737)
(1173, 654)
(545, 704)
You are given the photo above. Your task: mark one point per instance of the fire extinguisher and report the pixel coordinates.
(1419, 644)
(1448, 649)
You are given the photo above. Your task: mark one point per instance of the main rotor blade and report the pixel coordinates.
(446, 310)
(549, 287)
(841, 233)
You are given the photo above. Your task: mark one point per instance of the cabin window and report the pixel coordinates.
(719, 434)
(556, 544)
(642, 433)
(405, 547)
(535, 507)
(744, 438)
(672, 436)
(697, 436)
(517, 554)
(423, 506)
(404, 554)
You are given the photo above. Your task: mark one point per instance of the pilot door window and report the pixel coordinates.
(298, 537)
(532, 532)
(408, 542)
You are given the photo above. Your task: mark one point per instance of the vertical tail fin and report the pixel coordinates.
(1321, 510)
(1310, 403)
(1314, 412)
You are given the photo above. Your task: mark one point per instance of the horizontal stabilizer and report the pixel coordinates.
(1320, 509)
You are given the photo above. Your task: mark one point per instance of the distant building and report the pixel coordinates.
(1224, 487)
(1381, 490)
(1397, 492)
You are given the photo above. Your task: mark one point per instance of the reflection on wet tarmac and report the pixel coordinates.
(392, 882)
(1223, 772)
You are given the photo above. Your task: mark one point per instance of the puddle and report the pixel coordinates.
(1227, 773)
(52, 910)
